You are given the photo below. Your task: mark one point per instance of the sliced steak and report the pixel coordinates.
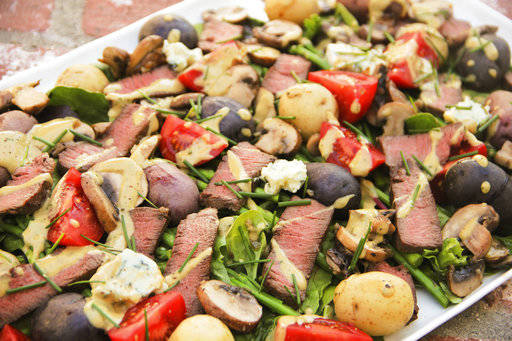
(450, 93)
(18, 304)
(198, 228)
(417, 226)
(403, 273)
(252, 159)
(279, 76)
(124, 132)
(27, 190)
(455, 31)
(298, 235)
(16, 120)
(149, 223)
(216, 32)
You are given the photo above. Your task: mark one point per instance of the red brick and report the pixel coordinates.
(104, 16)
(503, 6)
(25, 15)
(14, 58)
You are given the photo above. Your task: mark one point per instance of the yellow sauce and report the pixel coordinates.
(34, 235)
(361, 164)
(237, 169)
(177, 276)
(431, 161)
(16, 150)
(287, 267)
(142, 151)
(404, 209)
(340, 203)
(50, 130)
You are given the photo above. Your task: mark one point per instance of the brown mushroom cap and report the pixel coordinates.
(472, 224)
(234, 306)
(147, 55)
(106, 212)
(279, 137)
(263, 55)
(497, 253)
(117, 59)
(465, 280)
(278, 33)
(230, 14)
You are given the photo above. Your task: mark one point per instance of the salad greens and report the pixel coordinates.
(91, 107)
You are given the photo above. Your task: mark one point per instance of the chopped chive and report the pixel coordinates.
(233, 182)
(407, 170)
(266, 274)
(111, 251)
(294, 203)
(147, 200)
(84, 282)
(57, 219)
(195, 171)
(415, 195)
(384, 197)
(45, 276)
(105, 315)
(480, 47)
(228, 186)
(297, 291)
(188, 257)
(461, 156)
(487, 123)
(413, 104)
(304, 192)
(458, 107)
(422, 165)
(208, 118)
(85, 138)
(297, 79)
(133, 246)
(359, 249)
(289, 291)
(265, 196)
(256, 261)
(149, 99)
(170, 112)
(273, 223)
(197, 106)
(47, 143)
(354, 129)
(285, 117)
(55, 244)
(370, 32)
(422, 78)
(246, 242)
(234, 143)
(25, 287)
(125, 234)
(238, 37)
(54, 142)
(95, 242)
(389, 37)
(172, 286)
(146, 327)
(431, 43)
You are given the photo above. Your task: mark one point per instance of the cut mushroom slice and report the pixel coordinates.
(357, 226)
(279, 137)
(29, 99)
(264, 106)
(338, 258)
(117, 59)
(473, 225)
(394, 113)
(312, 144)
(497, 253)
(278, 33)
(463, 281)
(230, 14)
(236, 307)
(146, 56)
(106, 212)
(263, 55)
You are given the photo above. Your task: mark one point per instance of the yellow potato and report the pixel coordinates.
(292, 10)
(376, 302)
(202, 327)
(84, 76)
(311, 104)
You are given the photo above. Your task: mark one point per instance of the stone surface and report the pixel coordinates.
(25, 15)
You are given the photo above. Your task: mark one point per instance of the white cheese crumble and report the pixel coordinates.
(121, 283)
(350, 57)
(284, 174)
(180, 56)
(470, 113)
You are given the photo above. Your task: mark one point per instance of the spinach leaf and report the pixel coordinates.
(326, 309)
(507, 241)
(317, 283)
(91, 107)
(422, 122)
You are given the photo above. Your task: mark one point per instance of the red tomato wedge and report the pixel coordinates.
(79, 217)
(9, 333)
(312, 328)
(164, 312)
(190, 77)
(184, 140)
(353, 91)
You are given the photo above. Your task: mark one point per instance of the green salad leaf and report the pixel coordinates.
(312, 25)
(91, 107)
(450, 254)
(507, 241)
(422, 122)
(317, 283)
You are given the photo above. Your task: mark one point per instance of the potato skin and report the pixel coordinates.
(376, 302)
(291, 10)
(202, 327)
(311, 104)
(83, 76)
(163, 24)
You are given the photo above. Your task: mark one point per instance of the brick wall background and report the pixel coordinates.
(32, 31)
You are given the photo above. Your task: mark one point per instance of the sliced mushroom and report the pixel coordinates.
(30, 100)
(230, 14)
(263, 55)
(463, 281)
(5, 99)
(395, 114)
(504, 156)
(357, 226)
(278, 33)
(237, 308)
(117, 59)
(473, 224)
(107, 213)
(394, 93)
(183, 101)
(240, 82)
(312, 144)
(279, 137)
(338, 259)
(101, 127)
(497, 253)
(264, 105)
(147, 55)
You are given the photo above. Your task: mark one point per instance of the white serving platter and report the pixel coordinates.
(431, 314)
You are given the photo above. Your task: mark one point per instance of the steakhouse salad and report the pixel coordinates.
(293, 179)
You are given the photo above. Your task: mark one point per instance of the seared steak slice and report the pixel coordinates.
(124, 132)
(216, 32)
(18, 304)
(279, 76)
(417, 223)
(450, 93)
(298, 235)
(149, 223)
(252, 159)
(16, 120)
(199, 228)
(455, 31)
(403, 273)
(28, 188)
